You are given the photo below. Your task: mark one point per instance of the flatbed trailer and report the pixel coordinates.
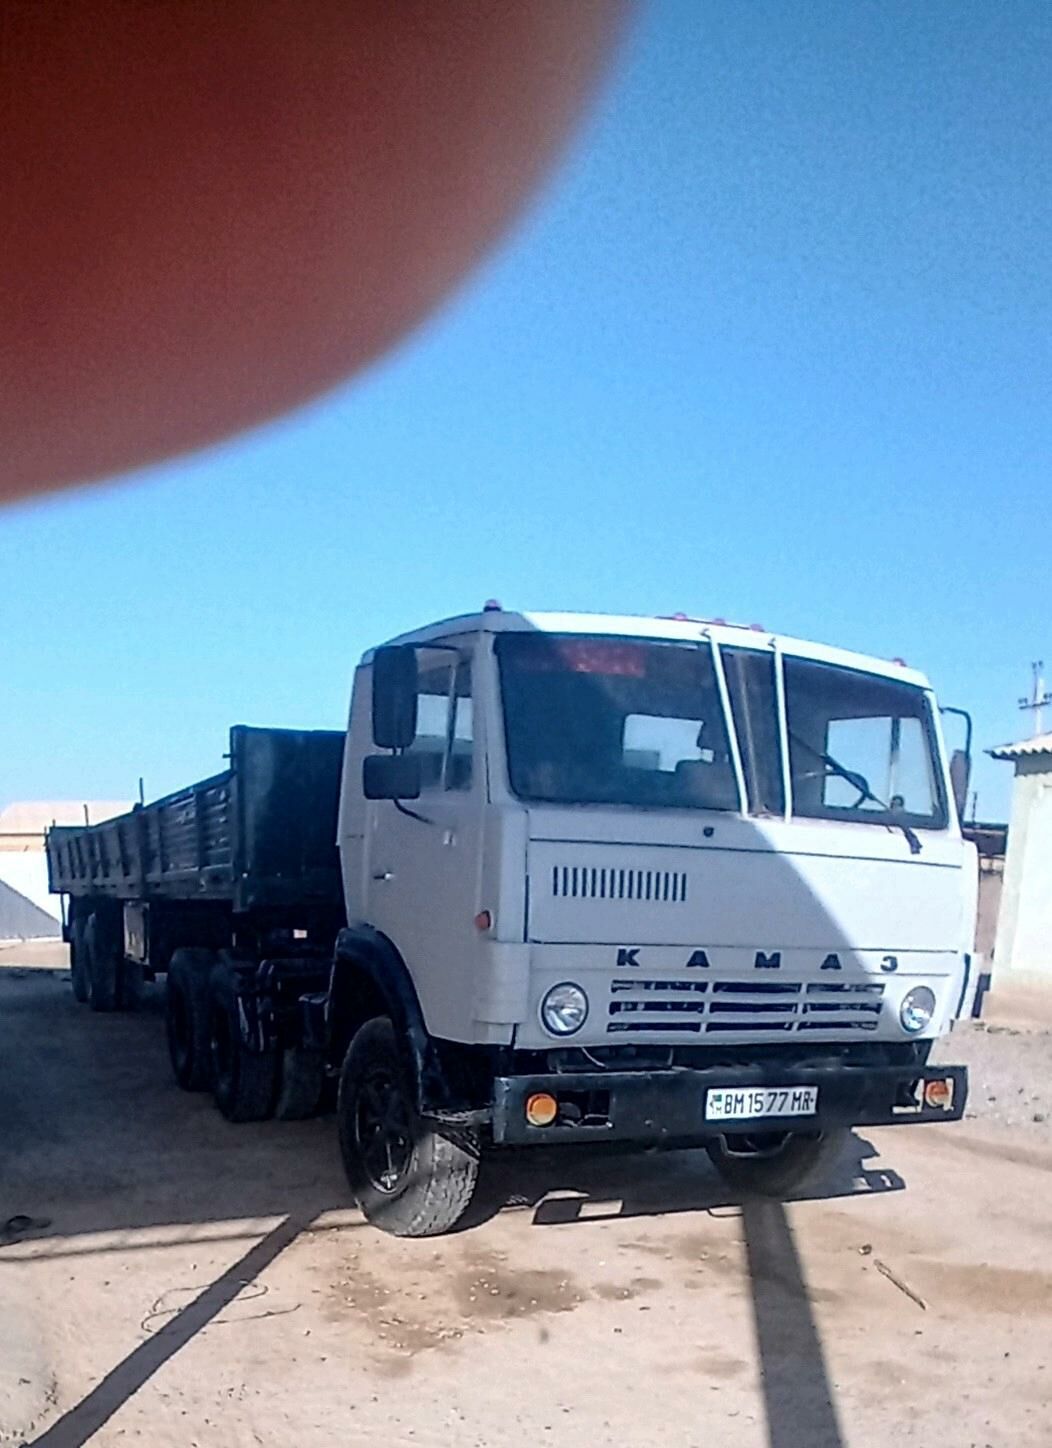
(245, 859)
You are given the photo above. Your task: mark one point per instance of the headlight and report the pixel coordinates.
(564, 1009)
(917, 1009)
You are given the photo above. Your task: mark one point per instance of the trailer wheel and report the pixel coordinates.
(244, 1082)
(186, 1017)
(410, 1178)
(132, 984)
(103, 963)
(302, 1084)
(78, 962)
(775, 1165)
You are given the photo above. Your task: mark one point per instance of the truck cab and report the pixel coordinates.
(657, 872)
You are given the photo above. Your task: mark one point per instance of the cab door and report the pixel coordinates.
(422, 857)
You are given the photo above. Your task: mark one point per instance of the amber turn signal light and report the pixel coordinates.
(541, 1109)
(939, 1094)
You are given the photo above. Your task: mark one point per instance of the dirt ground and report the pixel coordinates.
(182, 1281)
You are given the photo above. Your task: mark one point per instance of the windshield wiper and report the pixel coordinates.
(861, 783)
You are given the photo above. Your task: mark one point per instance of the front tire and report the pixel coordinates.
(756, 1166)
(409, 1178)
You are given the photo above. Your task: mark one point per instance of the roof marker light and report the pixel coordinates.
(757, 628)
(901, 663)
(492, 605)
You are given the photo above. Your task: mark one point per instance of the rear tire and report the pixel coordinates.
(78, 962)
(186, 1017)
(409, 1177)
(776, 1169)
(103, 963)
(302, 1084)
(244, 1082)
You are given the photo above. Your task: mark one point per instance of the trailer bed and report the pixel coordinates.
(262, 833)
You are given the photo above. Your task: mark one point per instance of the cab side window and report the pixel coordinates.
(445, 725)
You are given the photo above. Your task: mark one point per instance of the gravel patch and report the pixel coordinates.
(1010, 1073)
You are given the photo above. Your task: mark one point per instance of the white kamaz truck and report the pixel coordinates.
(565, 879)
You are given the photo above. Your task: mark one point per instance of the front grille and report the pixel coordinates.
(586, 882)
(726, 1007)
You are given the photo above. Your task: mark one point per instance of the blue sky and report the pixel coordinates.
(775, 344)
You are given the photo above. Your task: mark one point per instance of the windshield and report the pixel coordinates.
(861, 747)
(639, 722)
(611, 721)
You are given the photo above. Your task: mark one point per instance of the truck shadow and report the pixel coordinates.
(799, 1399)
(563, 1186)
(102, 1153)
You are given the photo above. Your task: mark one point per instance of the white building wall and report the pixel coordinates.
(1024, 927)
(26, 872)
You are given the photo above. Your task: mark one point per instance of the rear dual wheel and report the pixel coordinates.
(186, 1017)
(78, 961)
(101, 975)
(302, 1087)
(244, 1081)
(208, 1051)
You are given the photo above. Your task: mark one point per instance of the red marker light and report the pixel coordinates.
(483, 920)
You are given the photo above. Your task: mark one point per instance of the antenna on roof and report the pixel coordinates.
(87, 821)
(142, 793)
(1039, 697)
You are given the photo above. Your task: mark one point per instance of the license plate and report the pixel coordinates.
(754, 1103)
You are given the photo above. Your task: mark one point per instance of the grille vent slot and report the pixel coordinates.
(743, 1007)
(588, 882)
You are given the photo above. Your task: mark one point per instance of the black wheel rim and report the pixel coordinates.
(382, 1131)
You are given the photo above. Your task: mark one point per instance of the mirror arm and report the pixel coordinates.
(961, 714)
(404, 808)
(411, 813)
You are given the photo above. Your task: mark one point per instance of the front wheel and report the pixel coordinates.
(409, 1178)
(775, 1164)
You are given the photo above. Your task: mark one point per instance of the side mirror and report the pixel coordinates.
(391, 776)
(960, 774)
(394, 698)
(960, 761)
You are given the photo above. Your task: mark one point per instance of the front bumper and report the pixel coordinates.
(667, 1107)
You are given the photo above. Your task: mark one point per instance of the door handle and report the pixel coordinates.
(384, 875)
